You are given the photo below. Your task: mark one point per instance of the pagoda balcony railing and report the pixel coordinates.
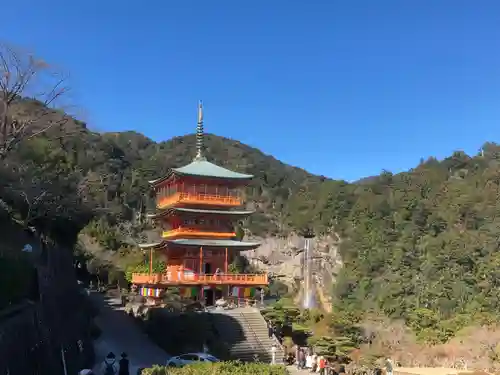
(172, 279)
(200, 198)
(194, 232)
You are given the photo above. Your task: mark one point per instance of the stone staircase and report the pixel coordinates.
(245, 333)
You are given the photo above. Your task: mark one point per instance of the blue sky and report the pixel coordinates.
(340, 88)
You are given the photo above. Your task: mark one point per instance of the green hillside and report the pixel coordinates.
(420, 245)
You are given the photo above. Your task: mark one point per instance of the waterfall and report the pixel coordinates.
(309, 290)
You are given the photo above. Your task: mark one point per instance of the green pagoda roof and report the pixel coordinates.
(200, 211)
(213, 243)
(202, 243)
(204, 168)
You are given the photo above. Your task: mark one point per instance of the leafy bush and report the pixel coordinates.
(158, 266)
(221, 368)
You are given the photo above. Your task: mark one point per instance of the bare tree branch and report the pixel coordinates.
(24, 78)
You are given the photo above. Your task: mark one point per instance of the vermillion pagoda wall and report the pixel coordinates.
(217, 223)
(199, 186)
(190, 259)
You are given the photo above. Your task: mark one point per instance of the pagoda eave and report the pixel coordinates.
(193, 211)
(203, 169)
(150, 245)
(160, 180)
(206, 243)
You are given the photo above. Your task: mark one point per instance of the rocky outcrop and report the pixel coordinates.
(284, 258)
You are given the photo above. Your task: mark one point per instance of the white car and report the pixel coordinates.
(189, 358)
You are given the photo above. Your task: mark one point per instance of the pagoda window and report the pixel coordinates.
(191, 264)
(189, 222)
(203, 189)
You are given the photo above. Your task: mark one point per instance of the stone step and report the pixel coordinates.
(256, 333)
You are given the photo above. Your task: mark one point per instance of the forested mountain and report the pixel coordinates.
(423, 245)
(110, 173)
(420, 245)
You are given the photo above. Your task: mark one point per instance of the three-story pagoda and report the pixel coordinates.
(197, 206)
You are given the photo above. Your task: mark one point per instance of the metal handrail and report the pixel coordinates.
(277, 341)
(246, 302)
(181, 196)
(261, 347)
(275, 338)
(163, 278)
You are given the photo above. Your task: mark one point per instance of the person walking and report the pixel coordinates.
(314, 362)
(109, 365)
(124, 365)
(302, 359)
(309, 362)
(322, 365)
(270, 329)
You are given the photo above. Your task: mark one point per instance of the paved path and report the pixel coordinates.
(121, 334)
(293, 370)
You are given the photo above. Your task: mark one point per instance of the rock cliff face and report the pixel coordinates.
(284, 257)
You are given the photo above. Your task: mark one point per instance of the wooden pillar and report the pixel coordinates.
(225, 263)
(201, 260)
(202, 294)
(150, 261)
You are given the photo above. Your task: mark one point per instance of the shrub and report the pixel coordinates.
(221, 368)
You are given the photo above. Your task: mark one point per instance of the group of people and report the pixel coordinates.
(109, 366)
(307, 359)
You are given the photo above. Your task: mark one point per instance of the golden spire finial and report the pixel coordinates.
(199, 134)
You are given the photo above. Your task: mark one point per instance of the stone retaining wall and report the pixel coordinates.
(35, 336)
